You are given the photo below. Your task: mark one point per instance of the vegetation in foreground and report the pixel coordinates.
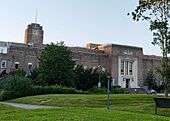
(120, 102)
(73, 114)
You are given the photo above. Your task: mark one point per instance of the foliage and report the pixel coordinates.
(56, 65)
(14, 87)
(150, 81)
(157, 13)
(86, 78)
(161, 88)
(20, 72)
(34, 74)
(97, 90)
(53, 90)
(117, 90)
(34, 77)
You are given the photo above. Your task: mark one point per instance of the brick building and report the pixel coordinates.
(127, 64)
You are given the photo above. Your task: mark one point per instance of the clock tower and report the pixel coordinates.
(34, 35)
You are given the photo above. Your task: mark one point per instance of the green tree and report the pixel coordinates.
(150, 81)
(86, 78)
(157, 13)
(56, 65)
(20, 72)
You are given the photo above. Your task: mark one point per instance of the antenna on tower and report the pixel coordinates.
(36, 16)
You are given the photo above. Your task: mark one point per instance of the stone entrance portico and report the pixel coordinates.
(127, 72)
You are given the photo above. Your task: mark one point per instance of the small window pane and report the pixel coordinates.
(126, 67)
(122, 67)
(16, 65)
(30, 65)
(130, 68)
(3, 64)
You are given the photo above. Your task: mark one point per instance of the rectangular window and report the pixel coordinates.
(130, 68)
(3, 50)
(122, 67)
(30, 66)
(126, 68)
(16, 65)
(3, 64)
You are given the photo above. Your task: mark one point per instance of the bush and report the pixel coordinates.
(97, 90)
(117, 90)
(20, 72)
(36, 90)
(5, 95)
(14, 87)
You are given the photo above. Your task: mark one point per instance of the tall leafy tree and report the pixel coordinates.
(86, 78)
(150, 81)
(157, 13)
(56, 65)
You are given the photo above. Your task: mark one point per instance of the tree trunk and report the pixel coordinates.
(166, 87)
(166, 92)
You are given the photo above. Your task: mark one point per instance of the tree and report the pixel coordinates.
(156, 12)
(20, 72)
(150, 81)
(86, 78)
(56, 65)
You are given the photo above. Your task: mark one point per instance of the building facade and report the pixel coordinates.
(127, 65)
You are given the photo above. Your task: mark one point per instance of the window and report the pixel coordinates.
(3, 64)
(30, 65)
(16, 65)
(3, 50)
(126, 67)
(122, 67)
(130, 68)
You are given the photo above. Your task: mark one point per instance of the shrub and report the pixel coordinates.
(97, 90)
(5, 95)
(117, 90)
(20, 72)
(116, 86)
(14, 87)
(53, 90)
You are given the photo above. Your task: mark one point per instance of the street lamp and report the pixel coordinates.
(99, 83)
(108, 93)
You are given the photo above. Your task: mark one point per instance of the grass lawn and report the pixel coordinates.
(72, 114)
(122, 102)
(124, 107)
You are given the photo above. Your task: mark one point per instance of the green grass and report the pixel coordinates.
(72, 114)
(122, 102)
(84, 107)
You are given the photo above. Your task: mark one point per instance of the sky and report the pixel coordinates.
(77, 22)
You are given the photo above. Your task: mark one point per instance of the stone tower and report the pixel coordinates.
(34, 35)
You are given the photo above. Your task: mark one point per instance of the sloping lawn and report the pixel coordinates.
(121, 102)
(8, 113)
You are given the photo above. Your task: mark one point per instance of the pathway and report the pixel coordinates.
(28, 106)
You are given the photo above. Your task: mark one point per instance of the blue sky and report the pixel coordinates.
(76, 22)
